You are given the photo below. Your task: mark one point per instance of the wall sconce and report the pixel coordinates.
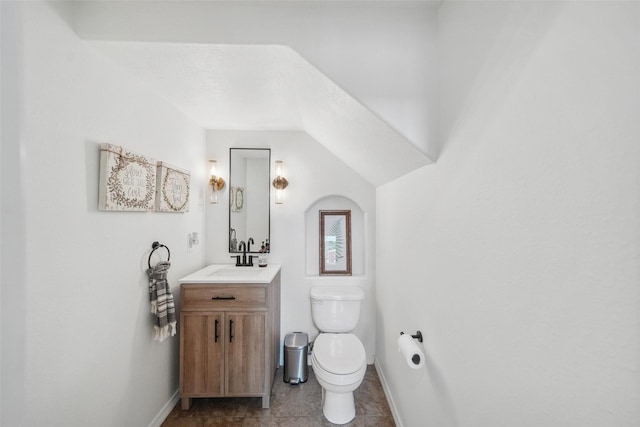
(216, 183)
(280, 183)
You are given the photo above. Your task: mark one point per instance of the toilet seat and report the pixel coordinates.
(337, 382)
(339, 354)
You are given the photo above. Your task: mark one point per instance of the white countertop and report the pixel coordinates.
(229, 273)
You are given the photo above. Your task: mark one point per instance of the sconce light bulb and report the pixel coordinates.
(215, 182)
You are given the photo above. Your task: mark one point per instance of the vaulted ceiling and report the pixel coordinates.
(263, 87)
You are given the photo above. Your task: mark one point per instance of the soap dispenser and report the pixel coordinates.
(262, 256)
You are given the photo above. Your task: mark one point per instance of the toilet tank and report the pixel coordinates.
(336, 308)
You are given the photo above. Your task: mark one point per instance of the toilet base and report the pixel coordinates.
(338, 408)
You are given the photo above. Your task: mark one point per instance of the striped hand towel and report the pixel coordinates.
(162, 305)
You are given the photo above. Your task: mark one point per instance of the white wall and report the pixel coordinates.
(1, 139)
(80, 288)
(313, 174)
(12, 298)
(521, 244)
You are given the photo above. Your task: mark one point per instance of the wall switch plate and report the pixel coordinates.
(192, 240)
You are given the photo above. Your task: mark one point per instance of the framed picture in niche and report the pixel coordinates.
(127, 180)
(335, 242)
(172, 188)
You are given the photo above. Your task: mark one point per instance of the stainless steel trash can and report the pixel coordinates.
(295, 358)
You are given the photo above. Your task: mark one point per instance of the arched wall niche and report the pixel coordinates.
(358, 234)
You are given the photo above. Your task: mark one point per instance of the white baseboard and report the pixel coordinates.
(165, 410)
(387, 393)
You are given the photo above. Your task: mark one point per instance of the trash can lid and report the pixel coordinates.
(296, 340)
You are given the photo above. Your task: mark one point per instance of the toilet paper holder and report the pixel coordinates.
(417, 336)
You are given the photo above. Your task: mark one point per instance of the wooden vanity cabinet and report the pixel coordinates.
(229, 340)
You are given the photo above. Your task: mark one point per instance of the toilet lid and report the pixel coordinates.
(339, 353)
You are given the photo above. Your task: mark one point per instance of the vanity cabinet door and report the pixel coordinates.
(245, 362)
(202, 354)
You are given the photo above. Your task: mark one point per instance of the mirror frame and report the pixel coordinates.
(268, 188)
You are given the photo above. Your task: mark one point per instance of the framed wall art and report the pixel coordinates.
(172, 188)
(335, 243)
(127, 180)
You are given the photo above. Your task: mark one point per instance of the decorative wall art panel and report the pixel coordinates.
(127, 180)
(172, 194)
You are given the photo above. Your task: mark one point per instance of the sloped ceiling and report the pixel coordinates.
(266, 88)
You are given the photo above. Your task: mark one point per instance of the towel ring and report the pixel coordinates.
(154, 246)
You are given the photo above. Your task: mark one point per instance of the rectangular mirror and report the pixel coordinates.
(249, 198)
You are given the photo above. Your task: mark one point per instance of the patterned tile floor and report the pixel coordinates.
(291, 406)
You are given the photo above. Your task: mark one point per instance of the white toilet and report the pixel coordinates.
(338, 358)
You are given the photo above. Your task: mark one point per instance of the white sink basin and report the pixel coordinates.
(229, 273)
(237, 272)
